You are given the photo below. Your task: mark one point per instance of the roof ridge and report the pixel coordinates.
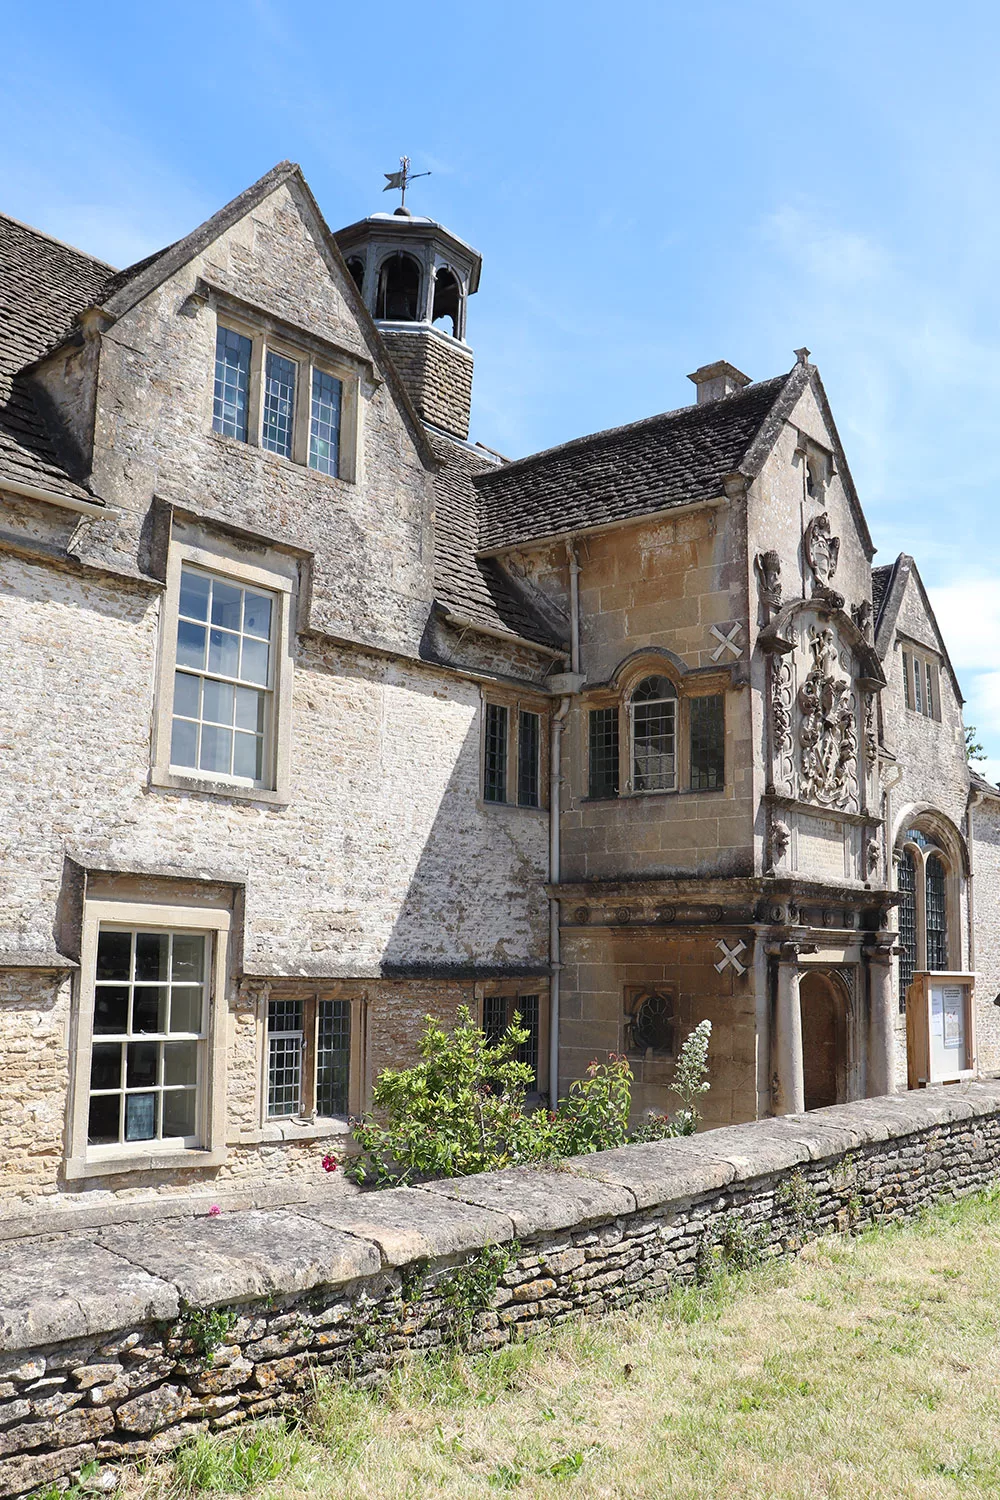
(608, 433)
(43, 234)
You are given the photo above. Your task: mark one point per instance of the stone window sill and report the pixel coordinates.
(212, 787)
(119, 1163)
(292, 1129)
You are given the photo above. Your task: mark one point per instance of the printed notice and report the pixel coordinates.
(937, 1011)
(953, 996)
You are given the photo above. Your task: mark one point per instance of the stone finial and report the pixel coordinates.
(801, 356)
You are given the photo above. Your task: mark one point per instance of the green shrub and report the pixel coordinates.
(462, 1108)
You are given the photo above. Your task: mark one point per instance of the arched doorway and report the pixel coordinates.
(824, 1040)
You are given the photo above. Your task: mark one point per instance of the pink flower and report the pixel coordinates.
(214, 1211)
(330, 1163)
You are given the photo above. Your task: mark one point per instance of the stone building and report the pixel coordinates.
(318, 716)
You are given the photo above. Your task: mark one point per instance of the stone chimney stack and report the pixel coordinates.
(718, 380)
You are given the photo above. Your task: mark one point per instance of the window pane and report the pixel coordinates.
(907, 681)
(603, 780)
(187, 690)
(179, 1112)
(324, 423)
(907, 881)
(227, 604)
(653, 745)
(495, 758)
(218, 702)
(114, 955)
(152, 955)
(141, 1063)
(187, 957)
(929, 696)
(216, 749)
(937, 922)
(184, 743)
(185, 1008)
(528, 746)
(111, 1009)
(527, 1007)
(195, 589)
(149, 1008)
(257, 615)
(140, 1117)
(223, 652)
(248, 756)
(105, 1120)
(250, 710)
(708, 742)
(191, 644)
(106, 1066)
(180, 1062)
(284, 1058)
(279, 404)
(255, 660)
(232, 381)
(333, 1057)
(918, 697)
(494, 1017)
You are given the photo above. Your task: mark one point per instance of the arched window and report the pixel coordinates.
(447, 296)
(653, 707)
(937, 913)
(398, 298)
(907, 881)
(927, 881)
(356, 266)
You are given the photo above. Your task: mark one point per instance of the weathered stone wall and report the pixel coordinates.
(107, 1353)
(986, 888)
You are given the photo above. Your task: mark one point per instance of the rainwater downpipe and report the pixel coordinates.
(555, 808)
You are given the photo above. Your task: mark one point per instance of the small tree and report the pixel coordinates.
(690, 1081)
(973, 750)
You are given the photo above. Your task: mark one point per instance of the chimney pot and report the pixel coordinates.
(718, 380)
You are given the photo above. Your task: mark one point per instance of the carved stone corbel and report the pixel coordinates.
(767, 566)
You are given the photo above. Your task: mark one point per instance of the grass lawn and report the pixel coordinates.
(868, 1367)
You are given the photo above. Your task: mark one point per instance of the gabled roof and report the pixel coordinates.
(892, 581)
(44, 285)
(480, 590)
(671, 459)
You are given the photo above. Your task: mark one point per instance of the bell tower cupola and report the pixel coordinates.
(416, 279)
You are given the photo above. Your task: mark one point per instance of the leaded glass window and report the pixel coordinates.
(528, 758)
(278, 404)
(232, 383)
(907, 882)
(285, 1039)
(498, 1014)
(654, 727)
(333, 1056)
(495, 753)
(223, 677)
(324, 423)
(494, 1017)
(150, 1019)
(603, 771)
(937, 917)
(708, 743)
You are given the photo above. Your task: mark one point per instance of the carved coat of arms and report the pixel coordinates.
(828, 741)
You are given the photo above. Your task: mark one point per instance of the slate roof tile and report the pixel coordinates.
(480, 590)
(670, 459)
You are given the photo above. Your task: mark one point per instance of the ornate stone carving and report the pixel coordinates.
(768, 569)
(582, 914)
(871, 855)
(622, 915)
(828, 743)
(822, 552)
(781, 723)
(871, 737)
(861, 614)
(781, 837)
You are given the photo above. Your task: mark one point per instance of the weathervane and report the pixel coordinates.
(400, 181)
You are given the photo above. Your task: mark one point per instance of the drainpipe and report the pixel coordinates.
(566, 683)
(555, 787)
(970, 900)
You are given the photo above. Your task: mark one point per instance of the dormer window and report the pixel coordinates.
(280, 398)
(398, 289)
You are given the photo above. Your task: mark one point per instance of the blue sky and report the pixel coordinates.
(653, 186)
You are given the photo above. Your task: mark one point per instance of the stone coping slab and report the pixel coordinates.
(69, 1287)
(237, 1256)
(57, 1287)
(410, 1223)
(539, 1200)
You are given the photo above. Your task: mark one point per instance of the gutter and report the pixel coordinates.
(51, 497)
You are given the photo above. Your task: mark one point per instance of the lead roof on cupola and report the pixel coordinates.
(412, 227)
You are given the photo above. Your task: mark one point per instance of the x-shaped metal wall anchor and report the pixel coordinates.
(726, 642)
(730, 957)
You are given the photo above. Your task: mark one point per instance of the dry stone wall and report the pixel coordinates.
(130, 1339)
